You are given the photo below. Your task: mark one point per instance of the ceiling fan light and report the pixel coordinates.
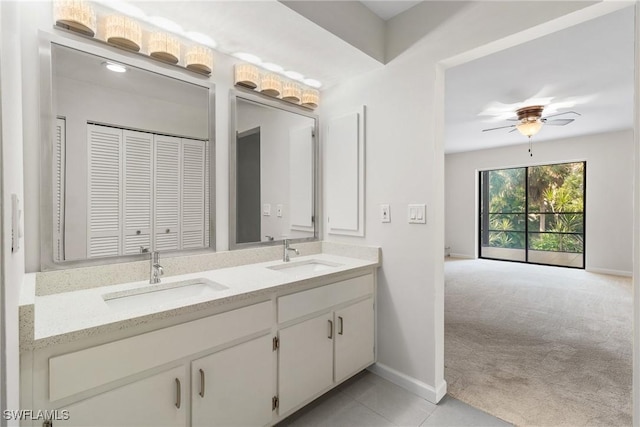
(529, 127)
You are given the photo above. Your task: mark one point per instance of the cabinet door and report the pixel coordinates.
(152, 401)
(233, 387)
(193, 188)
(137, 177)
(354, 338)
(306, 361)
(167, 193)
(104, 210)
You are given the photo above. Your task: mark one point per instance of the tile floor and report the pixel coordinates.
(369, 400)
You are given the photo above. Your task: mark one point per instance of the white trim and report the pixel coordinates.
(424, 390)
(610, 272)
(462, 256)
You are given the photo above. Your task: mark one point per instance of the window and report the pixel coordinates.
(534, 214)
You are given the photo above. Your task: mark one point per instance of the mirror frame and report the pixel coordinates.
(247, 95)
(47, 132)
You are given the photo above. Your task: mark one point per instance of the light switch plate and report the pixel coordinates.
(417, 214)
(385, 213)
(279, 211)
(266, 209)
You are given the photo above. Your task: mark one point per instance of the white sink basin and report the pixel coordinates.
(161, 293)
(304, 267)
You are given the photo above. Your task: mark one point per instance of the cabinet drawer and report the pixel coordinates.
(85, 369)
(307, 302)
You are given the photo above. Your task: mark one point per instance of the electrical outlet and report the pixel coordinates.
(279, 211)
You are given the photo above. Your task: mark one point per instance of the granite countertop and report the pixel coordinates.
(65, 317)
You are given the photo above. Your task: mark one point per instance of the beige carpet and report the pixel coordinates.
(539, 346)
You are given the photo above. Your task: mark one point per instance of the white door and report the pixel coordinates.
(167, 193)
(159, 400)
(354, 338)
(234, 387)
(138, 190)
(305, 361)
(193, 194)
(104, 210)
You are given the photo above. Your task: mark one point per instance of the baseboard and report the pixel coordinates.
(462, 256)
(610, 272)
(411, 384)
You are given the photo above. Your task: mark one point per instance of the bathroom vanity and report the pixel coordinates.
(246, 345)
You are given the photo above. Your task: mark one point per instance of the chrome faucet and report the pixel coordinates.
(285, 253)
(155, 269)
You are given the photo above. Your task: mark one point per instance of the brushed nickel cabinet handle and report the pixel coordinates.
(341, 325)
(168, 230)
(178, 393)
(201, 383)
(330, 329)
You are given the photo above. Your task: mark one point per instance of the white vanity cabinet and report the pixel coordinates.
(158, 400)
(354, 338)
(153, 379)
(327, 348)
(306, 361)
(252, 365)
(234, 387)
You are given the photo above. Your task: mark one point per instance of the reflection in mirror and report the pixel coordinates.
(273, 174)
(130, 160)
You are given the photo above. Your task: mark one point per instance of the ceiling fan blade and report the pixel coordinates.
(557, 122)
(501, 127)
(560, 114)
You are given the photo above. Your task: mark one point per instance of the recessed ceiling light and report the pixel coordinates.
(272, 67)
(294, 75)
(118, 68)
(312, 82)
(165, 24)
(248, 57)
(201, 38)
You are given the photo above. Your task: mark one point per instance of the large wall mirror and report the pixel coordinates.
(131, 161)
(273, 156)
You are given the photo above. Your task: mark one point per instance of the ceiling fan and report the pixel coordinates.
(530, 120)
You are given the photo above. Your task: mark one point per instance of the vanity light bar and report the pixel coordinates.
(127, 33)
(271, 84)
(123, 32)
(247, 75)
(199, 59)
(75, 15)
(274, 85)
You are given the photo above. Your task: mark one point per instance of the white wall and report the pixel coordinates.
(609, 193)
(405, 164)
(13, 263)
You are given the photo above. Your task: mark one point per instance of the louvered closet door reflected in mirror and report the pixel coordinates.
(145, 190)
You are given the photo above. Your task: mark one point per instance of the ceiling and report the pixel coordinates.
(388, 9)
(588, 68)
